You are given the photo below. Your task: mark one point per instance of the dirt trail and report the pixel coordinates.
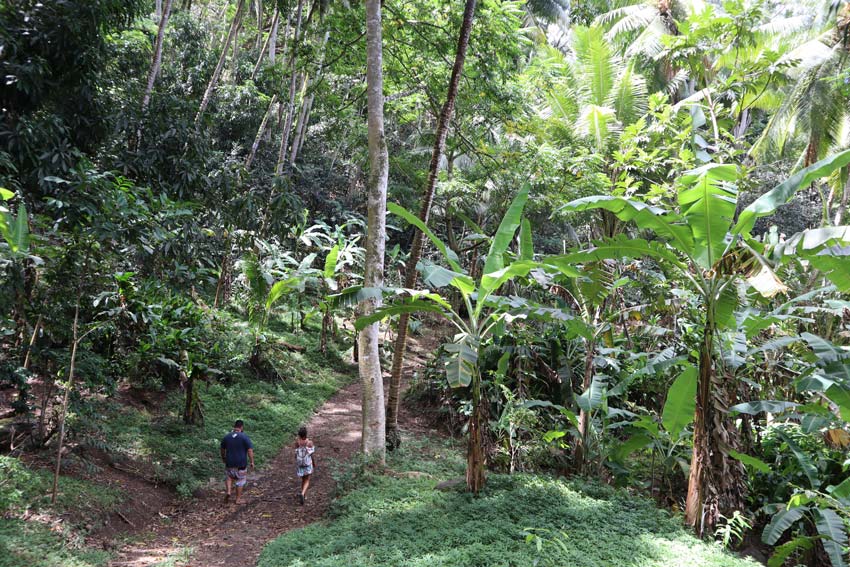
(222, 535)
(229, 535)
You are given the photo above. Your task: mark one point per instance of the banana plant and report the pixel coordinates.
(14, 229)
(712, 253)
(484, 313)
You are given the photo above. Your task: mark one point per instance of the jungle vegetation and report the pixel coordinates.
(628, 219)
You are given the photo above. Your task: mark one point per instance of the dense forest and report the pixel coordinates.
(583, 267)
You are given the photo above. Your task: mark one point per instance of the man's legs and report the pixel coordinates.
(228, 482)
(241, 480)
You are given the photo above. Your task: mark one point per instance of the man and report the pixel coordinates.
(236, 451)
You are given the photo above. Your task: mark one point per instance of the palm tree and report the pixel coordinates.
(816, 110)
(599, 92)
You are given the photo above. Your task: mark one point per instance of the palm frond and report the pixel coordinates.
(597, 123)
(628, 98)
(598, 63)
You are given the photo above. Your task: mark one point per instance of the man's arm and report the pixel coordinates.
(223, 452)
(251, 457)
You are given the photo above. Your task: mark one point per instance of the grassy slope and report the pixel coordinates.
(187, 457)
(404, 522)
(184, 457)
(53, 542)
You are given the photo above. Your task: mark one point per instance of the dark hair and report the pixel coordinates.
(237, 424)
(302, 433)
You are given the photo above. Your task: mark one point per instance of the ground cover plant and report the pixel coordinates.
(30, 543)
(56, 537)
(399, 519)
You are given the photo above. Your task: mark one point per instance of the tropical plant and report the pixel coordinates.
(484, 314)
(711, 252)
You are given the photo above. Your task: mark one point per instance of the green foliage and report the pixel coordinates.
(36, 545)
(29, 489)
(405, 522)
(681, 401)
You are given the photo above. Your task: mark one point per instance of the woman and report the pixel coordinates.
(304, 461)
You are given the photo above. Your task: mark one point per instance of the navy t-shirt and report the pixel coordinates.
(236, 445)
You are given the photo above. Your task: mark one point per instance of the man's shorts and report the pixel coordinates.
(239, 475)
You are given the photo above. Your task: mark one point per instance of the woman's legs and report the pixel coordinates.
(305, 484)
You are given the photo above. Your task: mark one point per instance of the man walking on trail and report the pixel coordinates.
(236, 451)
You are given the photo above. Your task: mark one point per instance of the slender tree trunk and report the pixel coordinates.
(424, 212)
(259, 9)
(700, 468)
(66, 399)
(266, 45)
(158, 9)
(260, 132)
(842, 204)
(28, 355)
(272, 47)
(231, 36)
(230, 75)
(293, 80)
(156, 63)
(306, 103)
(301, 132)
(374, 423)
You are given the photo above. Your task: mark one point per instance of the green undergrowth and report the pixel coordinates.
(32, 544)
(23, 489)
(37, 533)
(53, 533)
(399, 520)
(186, 456)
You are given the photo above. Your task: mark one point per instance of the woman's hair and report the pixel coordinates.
(302, 433)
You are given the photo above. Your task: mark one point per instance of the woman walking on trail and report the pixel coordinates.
(304, 461)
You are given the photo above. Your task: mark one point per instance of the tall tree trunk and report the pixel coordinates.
(266, 45)
(259, 10)
(290, 108)
(700, 468)
(424, 213)
(231, 74)
(156, 63)
(260, 132)
(272, 47)
(374, 422)
(580, 453)
(842, 204)
(234, 26)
